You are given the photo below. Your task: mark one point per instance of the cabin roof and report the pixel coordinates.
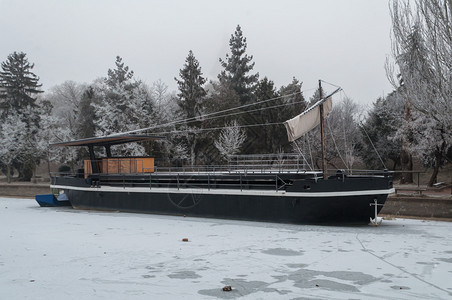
(110, 140)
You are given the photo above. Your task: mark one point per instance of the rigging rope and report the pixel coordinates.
(210, 114)
(310, 150)
(215, 128)
(330, 83)
(365, 131)
(362, 126)
(304, 158)
(335, 145)
(247, 111)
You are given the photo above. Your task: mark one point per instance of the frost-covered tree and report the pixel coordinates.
(237, 67)
(19, 88)
(12, 136)
(230, 139)
(341, 135)
(422, 51)
(121, 106)
(65, 101)
(50, 132)
(343, 132)
(64, 117)
(165, 107)
(429, 143)
(121, 76)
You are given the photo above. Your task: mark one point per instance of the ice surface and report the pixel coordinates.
(61, 253)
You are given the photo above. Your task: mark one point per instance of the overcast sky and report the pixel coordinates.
(344, 42)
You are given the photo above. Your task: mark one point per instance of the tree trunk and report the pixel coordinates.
(192, 153)
(48, 164)
(8, 173)
(438, 159)
(406, 162)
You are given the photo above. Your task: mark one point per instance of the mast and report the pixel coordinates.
(322, 134)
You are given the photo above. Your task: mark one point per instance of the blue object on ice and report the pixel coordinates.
(49, 200)
(62, 197)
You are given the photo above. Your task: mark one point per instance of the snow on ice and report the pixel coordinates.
(61, 253)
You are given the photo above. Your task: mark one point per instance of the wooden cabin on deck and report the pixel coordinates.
(111, 164)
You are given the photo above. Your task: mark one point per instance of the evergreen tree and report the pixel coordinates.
(121, 106)
(191, 92)
(119, 76)
(269, 138)
(379, 130)
(85, 126)
(190, 101)
(237, 67)
(18, 84)
(19, 88)
(292, 95)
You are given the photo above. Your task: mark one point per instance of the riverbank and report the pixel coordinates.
(23, 189)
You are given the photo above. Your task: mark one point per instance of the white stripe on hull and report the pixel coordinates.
(267, 193)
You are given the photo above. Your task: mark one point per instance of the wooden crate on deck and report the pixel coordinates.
(122, 165)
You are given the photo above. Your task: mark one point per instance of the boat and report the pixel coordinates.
(275, 193)
(50, 200)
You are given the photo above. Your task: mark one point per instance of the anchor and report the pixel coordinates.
(375, 221)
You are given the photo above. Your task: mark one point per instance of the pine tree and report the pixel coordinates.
(266, 138)
(237, 67)
(191, 92)
(18, 84)
(119, 76)
(294, 100)
(120, 106)
(379, 130)
(190, 100)
(85, 127)
(19, 88)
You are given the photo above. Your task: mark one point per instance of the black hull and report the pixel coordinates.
(340, 209)
(283, 197)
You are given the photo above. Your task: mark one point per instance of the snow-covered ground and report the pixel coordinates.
(61, 253)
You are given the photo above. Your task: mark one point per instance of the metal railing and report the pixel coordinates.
(238, 164)
(224, 169)
(207, 182)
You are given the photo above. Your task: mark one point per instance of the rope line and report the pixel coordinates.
(378, 154)
(247, 111)
(215, 128)
(335, 145)
(210, 114)
(304, 158)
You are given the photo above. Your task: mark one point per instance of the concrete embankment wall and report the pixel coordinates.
(23, 190)
(423, 207)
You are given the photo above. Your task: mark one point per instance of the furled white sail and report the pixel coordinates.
(306, 121)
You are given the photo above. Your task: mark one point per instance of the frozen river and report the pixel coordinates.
(60, 253)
